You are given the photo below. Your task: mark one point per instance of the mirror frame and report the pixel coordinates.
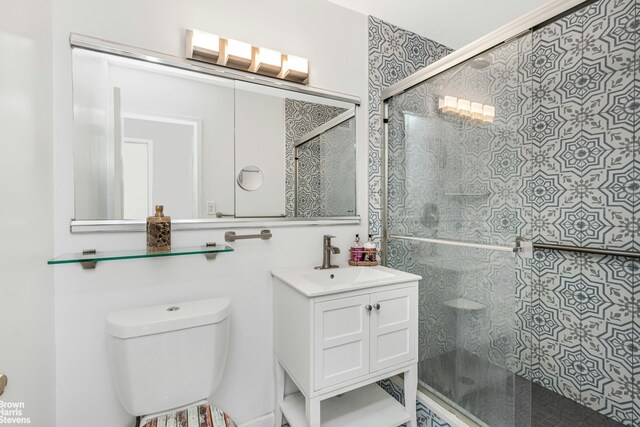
(103, 46)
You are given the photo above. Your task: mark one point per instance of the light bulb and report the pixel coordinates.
(488, 113)
(464, 107)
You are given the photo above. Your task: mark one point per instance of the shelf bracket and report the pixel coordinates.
(210, 256)
(88, 265)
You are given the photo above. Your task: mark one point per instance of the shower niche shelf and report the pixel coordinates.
(467, 194)
(464, 304)
(89, 258)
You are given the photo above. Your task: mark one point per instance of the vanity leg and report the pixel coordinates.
(279, 395)
(312, 408)
(410, 394)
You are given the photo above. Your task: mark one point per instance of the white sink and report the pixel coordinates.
(322, 282)
(347, 275)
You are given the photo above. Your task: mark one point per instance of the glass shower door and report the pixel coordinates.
(457, 164)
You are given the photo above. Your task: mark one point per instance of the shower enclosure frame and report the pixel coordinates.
(528, 22)
(537, 17)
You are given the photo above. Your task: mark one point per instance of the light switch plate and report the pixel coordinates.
(211, 208)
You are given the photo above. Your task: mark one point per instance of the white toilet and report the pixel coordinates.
(168, 357)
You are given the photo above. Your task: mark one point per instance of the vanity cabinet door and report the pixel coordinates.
(341, 340)
(393, 327)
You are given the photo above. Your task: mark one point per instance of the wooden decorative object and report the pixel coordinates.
(159, 231)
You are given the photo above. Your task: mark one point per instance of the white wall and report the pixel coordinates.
(260, 141)
(334, 40)
(26, 208)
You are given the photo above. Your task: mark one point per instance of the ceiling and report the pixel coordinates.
(453, 23)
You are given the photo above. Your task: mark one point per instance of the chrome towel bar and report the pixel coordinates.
(456, 243)
(231, 236)
(594, 251)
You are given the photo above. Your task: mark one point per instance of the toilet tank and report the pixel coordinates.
(169, 355)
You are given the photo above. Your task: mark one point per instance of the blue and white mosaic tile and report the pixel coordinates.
(394, 54)
(425, 416)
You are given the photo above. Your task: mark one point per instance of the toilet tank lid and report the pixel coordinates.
(138, 322)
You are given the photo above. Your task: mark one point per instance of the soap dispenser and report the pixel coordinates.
(357, 250)
(370, 249)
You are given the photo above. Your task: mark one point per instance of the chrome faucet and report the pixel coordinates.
(327, 250)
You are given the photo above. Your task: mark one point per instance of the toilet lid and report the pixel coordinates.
(198, 415)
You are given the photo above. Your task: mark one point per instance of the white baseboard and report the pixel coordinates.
(263, 421)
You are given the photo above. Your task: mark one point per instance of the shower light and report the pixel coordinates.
(464, 107)
(476, 111)
(448, 104)
(488, 113)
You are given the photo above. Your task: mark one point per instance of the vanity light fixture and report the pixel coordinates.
(266, 61)
(466, 108)
(239, 54)
(204, 46)
(295, 69)
(207, 47)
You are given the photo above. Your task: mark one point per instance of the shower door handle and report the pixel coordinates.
(523, 247)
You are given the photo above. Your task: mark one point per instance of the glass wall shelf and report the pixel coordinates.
(89, 258)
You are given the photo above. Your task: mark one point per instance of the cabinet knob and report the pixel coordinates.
(376, 306)
(367, 307)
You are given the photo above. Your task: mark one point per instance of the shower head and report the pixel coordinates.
(480, 62)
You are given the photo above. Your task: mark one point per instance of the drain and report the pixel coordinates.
(466, 380)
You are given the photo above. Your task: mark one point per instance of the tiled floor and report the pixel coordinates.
(500, 398)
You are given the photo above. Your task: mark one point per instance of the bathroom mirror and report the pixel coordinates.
(250, 178)
(206, 147)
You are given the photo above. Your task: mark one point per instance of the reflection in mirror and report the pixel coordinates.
(250, 178)
(142, 133)
(203, 146)
(326, 169)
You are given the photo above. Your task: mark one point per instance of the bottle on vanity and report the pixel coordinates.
(159, 231)
(357, 250)
(370, 250)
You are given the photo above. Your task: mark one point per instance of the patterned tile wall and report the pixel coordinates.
(394, 54)
(425, 416)
(561, 166)
(300, 118)
(584, 188)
